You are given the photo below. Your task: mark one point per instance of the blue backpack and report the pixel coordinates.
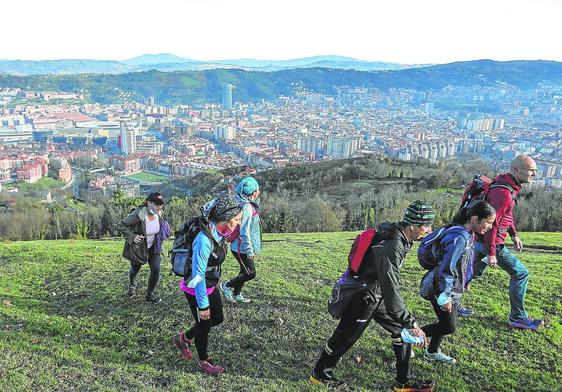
(429, 251)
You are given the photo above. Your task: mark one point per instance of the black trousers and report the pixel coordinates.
(353, 323)
(154, 264)
(247, 272)
(200, 331)
(445, 326)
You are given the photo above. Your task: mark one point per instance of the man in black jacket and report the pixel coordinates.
(381, 270)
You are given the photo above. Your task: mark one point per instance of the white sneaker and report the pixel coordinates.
(439, 357)
(227, 293)
(241, 299)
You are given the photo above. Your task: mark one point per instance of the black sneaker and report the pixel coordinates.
(414, 385)
(327, 380)
(153, 298)
(132, 290)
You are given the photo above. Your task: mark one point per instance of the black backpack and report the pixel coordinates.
(182, 249)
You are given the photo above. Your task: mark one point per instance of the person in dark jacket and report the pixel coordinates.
(490, 248)
(219, 218)
(381, 269)
(145, 231)
(450, 277)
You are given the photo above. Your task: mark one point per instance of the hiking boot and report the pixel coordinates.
(132, 290)
(328, 380)
(152, 298)
(464, 312)
(183, 345)
(414, 385)
(438, 357)
(227, 293)
(241, 299)
(209, 367)
(525, 323)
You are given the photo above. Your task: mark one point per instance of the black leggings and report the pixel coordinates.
(247, 272)
(446, 326)
(154, 264)
(353, 323)
(200, 331)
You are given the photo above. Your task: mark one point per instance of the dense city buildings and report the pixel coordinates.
(53, 137)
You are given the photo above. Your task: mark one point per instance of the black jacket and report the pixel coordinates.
(382, 263)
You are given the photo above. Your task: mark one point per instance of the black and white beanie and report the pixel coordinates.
(221, 208)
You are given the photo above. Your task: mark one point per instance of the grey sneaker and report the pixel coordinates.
(152, 298)
(241, 299)
(438, 357)
(227, 293)
(132, 290)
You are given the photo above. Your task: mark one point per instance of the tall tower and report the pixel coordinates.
(227, 96)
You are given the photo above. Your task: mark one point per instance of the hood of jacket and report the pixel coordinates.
(392, 230)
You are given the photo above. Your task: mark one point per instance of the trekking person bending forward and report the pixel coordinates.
(490, 248)
(219, 217)
(247, 243)
(145, 232)
(381, 270)
(448, 280)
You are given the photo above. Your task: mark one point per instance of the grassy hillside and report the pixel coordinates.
(66, 325)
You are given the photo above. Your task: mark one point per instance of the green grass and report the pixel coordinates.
(66, 325)
(148, 177)
(43, 184)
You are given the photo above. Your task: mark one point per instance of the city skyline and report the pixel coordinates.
(402, 31)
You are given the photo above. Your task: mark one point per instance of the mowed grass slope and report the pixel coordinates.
(66, 324)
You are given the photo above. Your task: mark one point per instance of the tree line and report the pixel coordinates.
(331, 196)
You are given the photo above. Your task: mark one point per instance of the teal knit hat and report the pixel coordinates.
(419, 213)
(247, 186)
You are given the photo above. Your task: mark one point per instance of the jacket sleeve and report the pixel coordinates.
(126, 226)
(199, 260)
(387, 266)
(246, 229)
(453, 251)
(499, 198)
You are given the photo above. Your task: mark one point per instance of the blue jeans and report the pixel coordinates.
(519, 275)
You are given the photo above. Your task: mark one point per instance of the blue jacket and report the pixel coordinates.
(249, 239)
(454, 269)
(202, 248)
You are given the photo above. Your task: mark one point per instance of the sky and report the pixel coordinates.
(400, 31)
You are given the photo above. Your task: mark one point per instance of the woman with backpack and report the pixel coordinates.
(445, 283)
(219, 218)
(247, 243)
(145, 232)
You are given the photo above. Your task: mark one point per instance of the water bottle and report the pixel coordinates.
(443, 299)
(407, 337)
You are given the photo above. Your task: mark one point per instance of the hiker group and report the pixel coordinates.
(369, 289)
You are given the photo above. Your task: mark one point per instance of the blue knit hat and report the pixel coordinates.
(247, 186)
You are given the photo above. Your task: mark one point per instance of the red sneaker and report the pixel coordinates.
(209, 367)
(183, 345)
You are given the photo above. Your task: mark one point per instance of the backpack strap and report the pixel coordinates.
(495, 184)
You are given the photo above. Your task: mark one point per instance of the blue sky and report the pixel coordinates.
(403, 31)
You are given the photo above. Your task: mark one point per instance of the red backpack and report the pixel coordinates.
(478, 188)
(362, 242)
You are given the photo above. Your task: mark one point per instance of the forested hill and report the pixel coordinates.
(206, 86)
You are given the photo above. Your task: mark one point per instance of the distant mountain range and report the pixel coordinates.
(167, 62)
(194, 87)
